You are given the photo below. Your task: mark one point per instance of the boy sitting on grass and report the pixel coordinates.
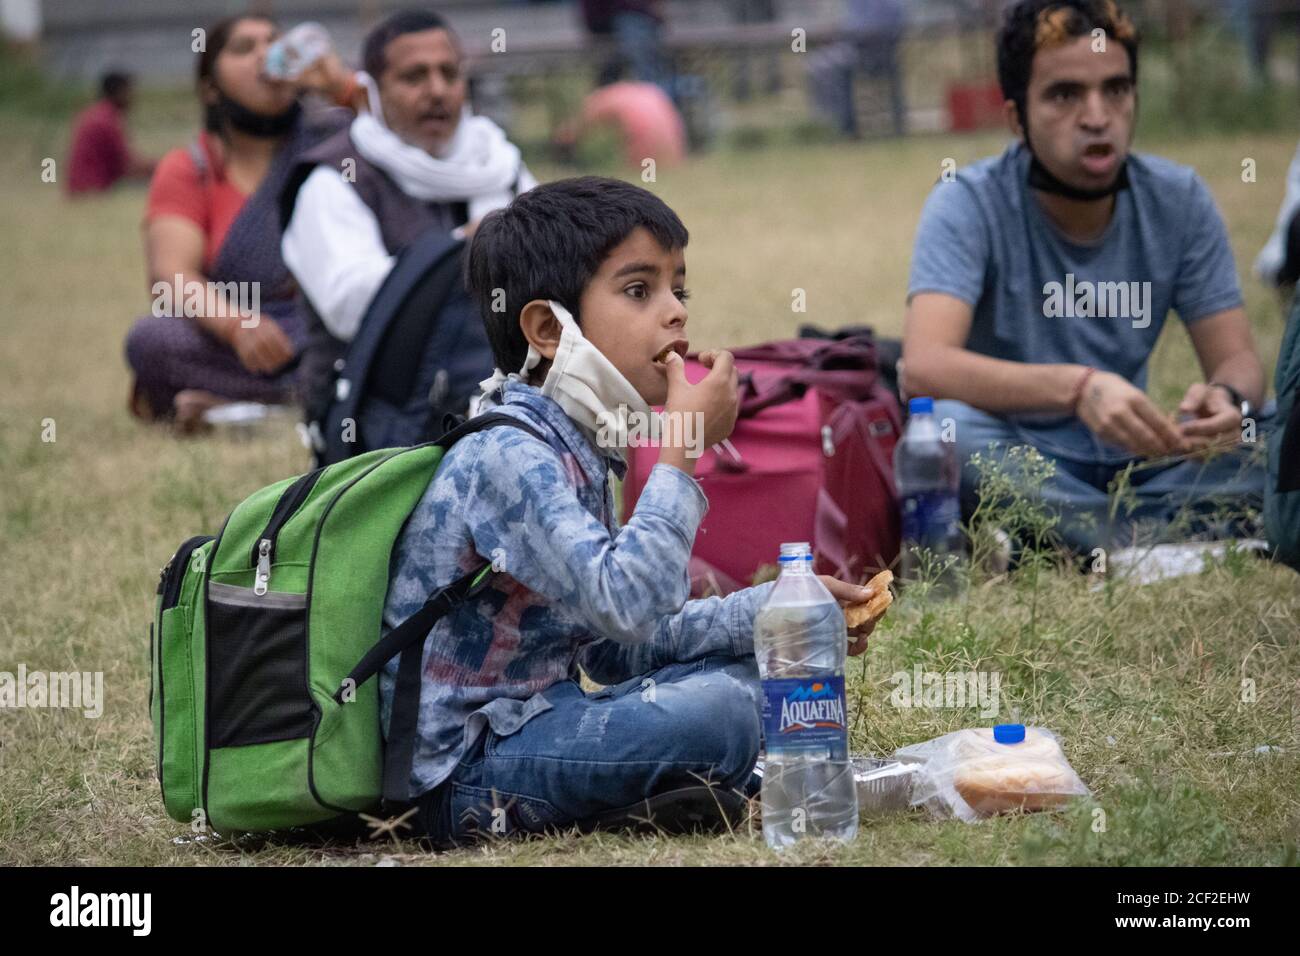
(507, 739)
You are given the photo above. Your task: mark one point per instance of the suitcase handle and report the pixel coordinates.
(788, 389)
(845, 384)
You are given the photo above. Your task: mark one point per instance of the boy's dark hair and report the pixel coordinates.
(114, 82)
(1032, 25)
(388, 30)
(548, 243)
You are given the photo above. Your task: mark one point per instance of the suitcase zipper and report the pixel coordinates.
(828, 441)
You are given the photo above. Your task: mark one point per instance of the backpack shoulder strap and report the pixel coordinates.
(408, 639)
(481, 422)
(445, 598)
(431, 267)
(198, 157)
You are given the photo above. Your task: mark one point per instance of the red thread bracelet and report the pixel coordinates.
(1077, 396)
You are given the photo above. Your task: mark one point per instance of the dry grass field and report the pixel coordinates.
(1144, 685)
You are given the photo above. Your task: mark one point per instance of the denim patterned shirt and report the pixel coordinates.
(573, 589)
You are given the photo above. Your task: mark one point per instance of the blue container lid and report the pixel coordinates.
(920, 406)
(1009, 733)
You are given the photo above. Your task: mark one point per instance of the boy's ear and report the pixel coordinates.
(540, 327)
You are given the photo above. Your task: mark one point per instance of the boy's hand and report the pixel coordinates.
(846, 594)
(713, 399)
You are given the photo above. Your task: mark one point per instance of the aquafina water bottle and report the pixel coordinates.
(800, 643)
(927, 475)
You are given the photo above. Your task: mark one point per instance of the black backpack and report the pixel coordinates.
(419, 355)
(1282, 488)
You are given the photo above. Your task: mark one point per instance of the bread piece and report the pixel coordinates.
(996, 785)
(997, 778)
(873, 607)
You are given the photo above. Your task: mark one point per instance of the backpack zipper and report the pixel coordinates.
(169, 586)
(263, 576)
(172, 574)
(290, 501)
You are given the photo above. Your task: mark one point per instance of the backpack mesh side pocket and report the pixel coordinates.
(257, 656)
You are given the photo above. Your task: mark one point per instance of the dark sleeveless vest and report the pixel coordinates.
(401, 218)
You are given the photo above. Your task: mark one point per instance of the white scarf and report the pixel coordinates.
(478, 166)
(583, 382)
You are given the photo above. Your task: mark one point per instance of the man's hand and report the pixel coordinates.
(1212, 417)
(326, 75)
(713, 397)
(846, 594)
(1120, 413)
(263, 347)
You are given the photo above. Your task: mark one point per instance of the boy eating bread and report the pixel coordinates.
(581, 284)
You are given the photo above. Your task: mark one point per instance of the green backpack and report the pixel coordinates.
(265, 637)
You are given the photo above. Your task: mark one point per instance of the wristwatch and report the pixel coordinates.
(1243, 404)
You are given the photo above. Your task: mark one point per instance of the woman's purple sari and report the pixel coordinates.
(170, 354)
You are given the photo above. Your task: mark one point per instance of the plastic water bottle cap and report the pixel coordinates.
(795, 551)
(920, 406)
(1009, 733)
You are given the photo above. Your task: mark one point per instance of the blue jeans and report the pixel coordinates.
(686, 724)
(1181, 497)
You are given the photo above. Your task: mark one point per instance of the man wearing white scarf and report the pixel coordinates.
(419, 136)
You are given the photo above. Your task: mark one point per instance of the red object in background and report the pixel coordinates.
(974, 106)
(197, 191)
(816, 437)
(98, 156)
(645, 117)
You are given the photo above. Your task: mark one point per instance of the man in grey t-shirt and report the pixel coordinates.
(1041, 280)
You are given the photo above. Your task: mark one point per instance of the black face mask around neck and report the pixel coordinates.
(1041, 178)
(1044, 180)
(246, 121)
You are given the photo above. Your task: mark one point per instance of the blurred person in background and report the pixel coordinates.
(1258, 23)
(767, 63)
(645, 119)
(99, 154)
(636, 27)
(212, 218)
(872, 30)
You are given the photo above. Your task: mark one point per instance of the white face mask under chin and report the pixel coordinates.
(584, 383)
